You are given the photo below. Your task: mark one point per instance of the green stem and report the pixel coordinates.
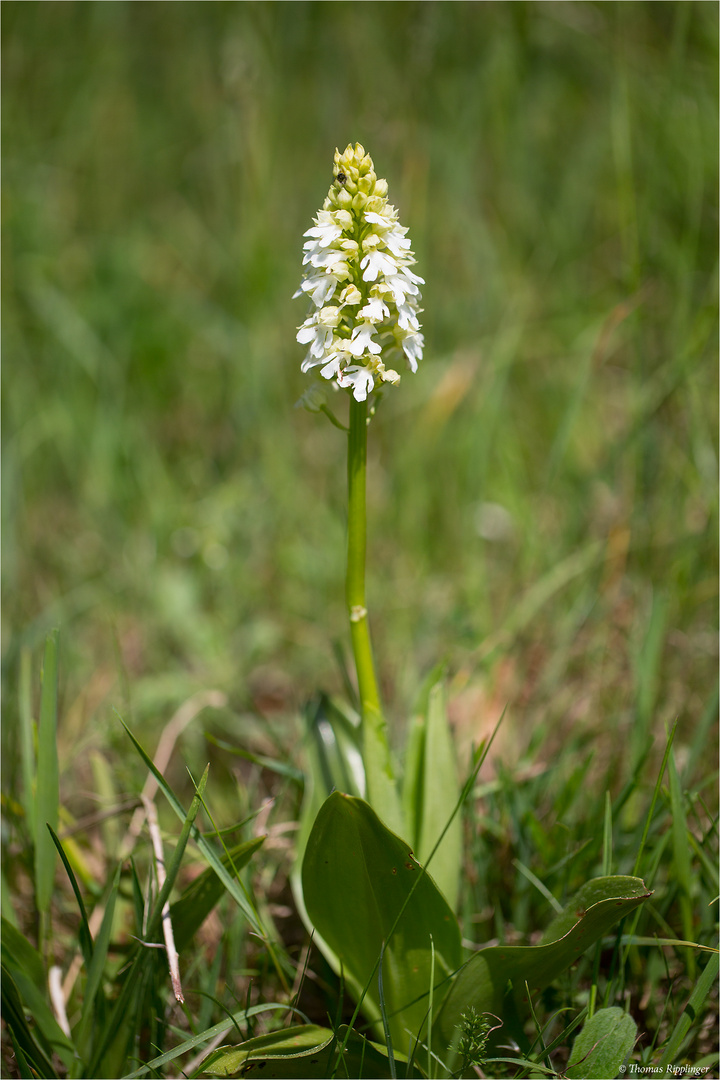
(381, 789)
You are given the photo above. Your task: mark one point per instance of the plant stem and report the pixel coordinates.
(381, 789)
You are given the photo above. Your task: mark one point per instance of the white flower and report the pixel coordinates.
(359, 379)
(407, 316)
(357, 257)
(412, 344)
(318, 330)
(321, 287)
(375, 310)
(332, 368)
(376, 263)
(362, 340)
(400, 286)
(327, 230)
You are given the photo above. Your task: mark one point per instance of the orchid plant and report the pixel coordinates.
(364, 317)
(366, 839)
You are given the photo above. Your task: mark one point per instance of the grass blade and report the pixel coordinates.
(691, 1011)
(681, 858)
(48, 782)
(32, 1060)
(27, 751)
(110, 1054)
(233, 888)
(84, 935)
(95, 973)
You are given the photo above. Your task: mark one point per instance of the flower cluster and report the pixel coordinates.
(365, 296)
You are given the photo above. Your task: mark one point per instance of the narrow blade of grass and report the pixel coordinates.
(110, 1054)
(27, 751)
(84, 935)
(32, 1060)
(681, 857)
(93, 984)
(691, 1011)
(233, 887)
(48, 782)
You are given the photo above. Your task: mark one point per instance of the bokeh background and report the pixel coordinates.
(543, 493)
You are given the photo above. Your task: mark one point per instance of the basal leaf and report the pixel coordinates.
(333, 763)
(440, 791)
(358, 877)
(306, 1051)
(603, 1047)
(487, 976)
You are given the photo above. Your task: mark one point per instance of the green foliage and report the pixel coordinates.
(116, 1008)
(475, 1030)
(542, 495)
(504, 970)
(431, 792)
(307, 1051)
(372, 902)
(189, 912)
(602, 1048)
(677, 1041)
(47, 783)
(366, 892)
(23, 987)
(559, 182)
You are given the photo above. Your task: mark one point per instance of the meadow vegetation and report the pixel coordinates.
(542, 497)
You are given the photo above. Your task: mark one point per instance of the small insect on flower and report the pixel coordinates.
(365, 298)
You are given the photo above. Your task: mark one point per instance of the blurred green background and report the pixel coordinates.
(543, 493)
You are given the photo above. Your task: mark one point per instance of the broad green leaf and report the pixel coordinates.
(197, 901)
(603, 1046)
(47, 794)
(382, 789)
(414, 754)
(598, 890)
(485, 979)
(439, 794)
(202, 1038)
(358, 879)
(333, 763)
(305, 1051)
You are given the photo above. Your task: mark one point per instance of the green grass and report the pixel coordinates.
(542, 494)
